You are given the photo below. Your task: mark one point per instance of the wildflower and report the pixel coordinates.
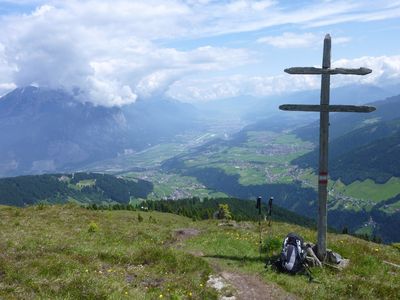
(190, 294)
(201, 285)
(376, 249)
(126, 293)
(161, 295)
(86, 270)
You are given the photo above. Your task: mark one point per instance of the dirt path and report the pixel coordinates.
(245, 286)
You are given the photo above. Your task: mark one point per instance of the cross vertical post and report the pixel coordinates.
(324, 108)
(323, 149)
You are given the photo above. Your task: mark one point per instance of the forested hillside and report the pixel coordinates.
(367, 152)
(80, 187)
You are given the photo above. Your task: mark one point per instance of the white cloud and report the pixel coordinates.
(293, 40)
(233, 86)
(116, 51)
(289, 40)
(111, 59)
(385, 71)
(372, 11)
(6, 73)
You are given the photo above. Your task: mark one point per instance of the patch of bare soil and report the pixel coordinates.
(184, 233)
(252, 287)
(180, 235)
(245, 286)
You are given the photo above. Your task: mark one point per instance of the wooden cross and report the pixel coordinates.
(324, 108)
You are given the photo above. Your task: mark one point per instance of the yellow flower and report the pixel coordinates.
(376, 249)
(160, 296)
(201, 284)
(190, 294)
(126, 293)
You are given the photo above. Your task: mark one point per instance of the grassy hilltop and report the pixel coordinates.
(68, 252)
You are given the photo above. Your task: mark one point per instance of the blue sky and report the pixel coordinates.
(115, 52)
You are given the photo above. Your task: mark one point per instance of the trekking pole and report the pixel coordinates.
(308, 271)
(270, 210)
(259, 222)
(310, 274)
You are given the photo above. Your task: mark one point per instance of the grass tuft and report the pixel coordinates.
(93, 227)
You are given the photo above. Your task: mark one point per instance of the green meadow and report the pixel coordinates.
(69, 252)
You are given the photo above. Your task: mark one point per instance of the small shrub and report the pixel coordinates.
(224, 212)
(396, 245)
(272, 245)
(40, 206)
(139, 218)
(93, 227)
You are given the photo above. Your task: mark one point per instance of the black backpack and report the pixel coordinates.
(292, 255)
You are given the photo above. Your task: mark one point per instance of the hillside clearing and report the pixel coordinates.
(68, 252)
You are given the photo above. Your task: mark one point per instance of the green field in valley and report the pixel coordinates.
(263, 158)
(368, 189)
(174, 186)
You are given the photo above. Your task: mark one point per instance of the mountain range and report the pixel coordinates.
(46, 130)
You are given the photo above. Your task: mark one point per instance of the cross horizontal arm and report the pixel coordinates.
(344, 71)
(305, 70)
(317, 71)
(330, 108)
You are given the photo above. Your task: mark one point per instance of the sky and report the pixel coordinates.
(117, 52)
